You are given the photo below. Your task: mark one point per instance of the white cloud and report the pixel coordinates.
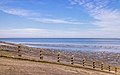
(107, 19)
(18, 12)
(93, 6)
(25, 13)
(51, 20)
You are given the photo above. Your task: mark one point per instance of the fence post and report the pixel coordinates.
(83, 61)
(19, 49)
(93, 63)
(72, 59)
(41, 57)
(58, 57)
(109, 68)
(102, 66)
(115, 69)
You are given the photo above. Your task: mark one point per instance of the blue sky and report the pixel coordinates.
(59, 18)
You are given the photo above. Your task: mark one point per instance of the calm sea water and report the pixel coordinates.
(90, 44)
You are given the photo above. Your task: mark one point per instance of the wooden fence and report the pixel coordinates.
(22, 51)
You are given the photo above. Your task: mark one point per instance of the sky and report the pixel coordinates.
(59, 18)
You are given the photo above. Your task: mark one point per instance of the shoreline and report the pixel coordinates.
(106, 57)
(103, 56)
(72, 47)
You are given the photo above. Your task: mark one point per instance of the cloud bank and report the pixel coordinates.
(37, 32)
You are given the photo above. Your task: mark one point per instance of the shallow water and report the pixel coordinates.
(89, 44)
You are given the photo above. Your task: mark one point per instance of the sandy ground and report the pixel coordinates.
(20, 67)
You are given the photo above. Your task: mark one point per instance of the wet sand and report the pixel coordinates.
(103, 56)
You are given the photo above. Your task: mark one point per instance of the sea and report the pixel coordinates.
(74, 44)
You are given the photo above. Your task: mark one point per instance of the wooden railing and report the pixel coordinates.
(55, 56)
